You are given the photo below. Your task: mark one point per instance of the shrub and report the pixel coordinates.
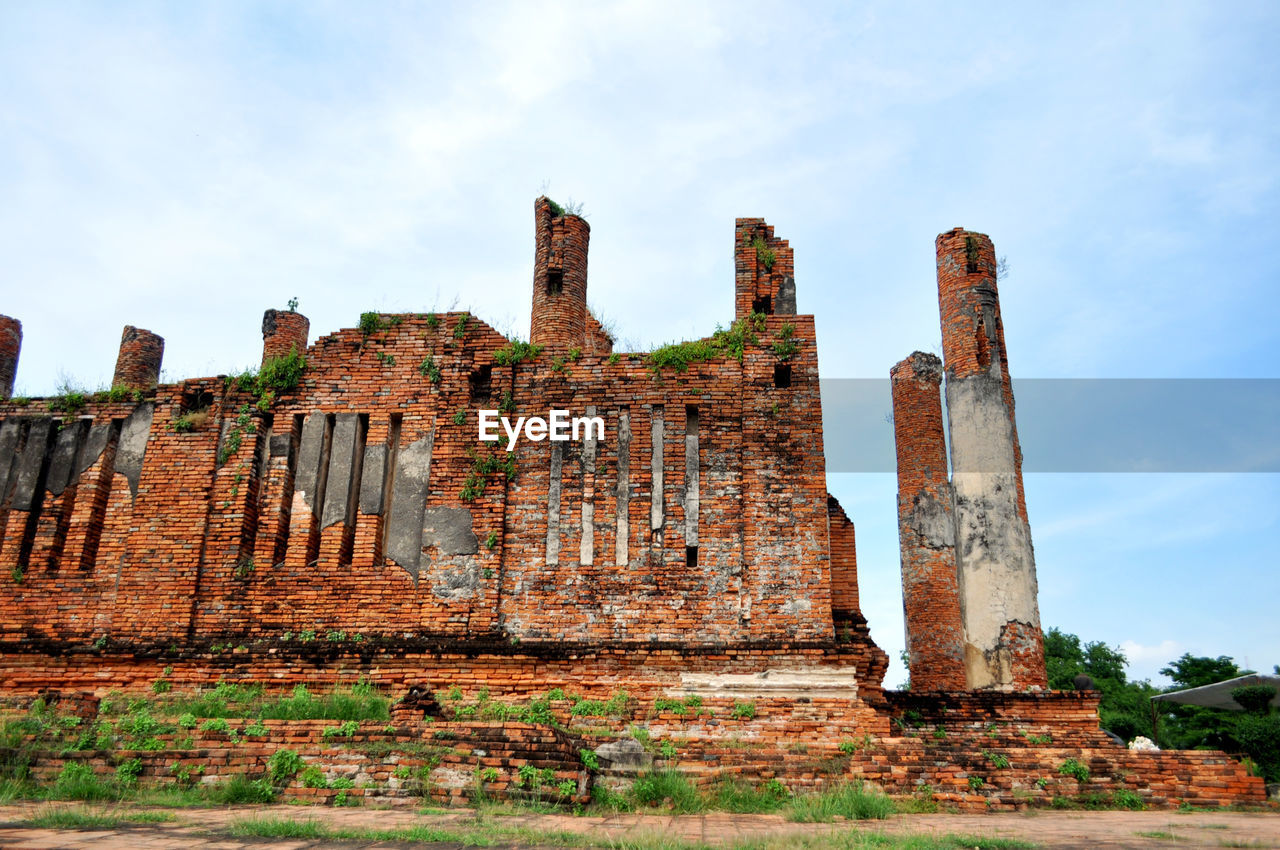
(371, 323)
(743, 710)
(242, 789)
(1123, 798)
(283, 766)
(1074, 769)
(313, 777)
(127, 772)
(78, 782)
(851, 800)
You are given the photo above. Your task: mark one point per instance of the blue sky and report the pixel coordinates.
(183, 166)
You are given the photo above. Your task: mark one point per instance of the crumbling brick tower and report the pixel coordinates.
(926, 529)
(995, 564)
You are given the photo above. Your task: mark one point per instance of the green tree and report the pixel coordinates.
(1192, 671)
(1192, 727)
(1124, 708)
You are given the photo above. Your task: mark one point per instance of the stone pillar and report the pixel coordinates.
(559, 279)
(10, 347)
(926, 529)
(283, 332)
(138, 363)
(996, 564)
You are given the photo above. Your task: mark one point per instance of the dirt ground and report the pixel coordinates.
(206, 828)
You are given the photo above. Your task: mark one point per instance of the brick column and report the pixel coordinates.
(10, 347)
(559, 279)
(995, 559)
(283, 332)
(926, 528)
(763, 271)
(138, 363)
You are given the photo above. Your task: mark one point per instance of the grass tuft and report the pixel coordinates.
(852, 800)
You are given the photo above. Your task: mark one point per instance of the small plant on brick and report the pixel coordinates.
(508, 403)
(786, 345)
(766, 255)
(614, 357)
(667, 750)
(386, 358)
(429, 369)
(127, 772)
(216, 724)
(460, 326)
(244, 568)
(940, 734)
(484, 465)
(743, 710)
(460, 417)
(293, 304)
(1075, 770)
(1123, 798)
(723, 343)
(1000, 761)
(590, 760)
(313, 777)
(344, 730)
(371, 323)
(281, 374)
(491, 540)
(515, 352)
(975, 782)
(673, 706)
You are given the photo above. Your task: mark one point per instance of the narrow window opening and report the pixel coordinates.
(691, 556)
(555, 281)
(763, 304)
(481, 381)
(782, 376)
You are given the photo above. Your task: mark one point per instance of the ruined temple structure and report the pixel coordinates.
(350, 524)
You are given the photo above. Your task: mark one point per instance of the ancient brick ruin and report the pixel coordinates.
(351, 526)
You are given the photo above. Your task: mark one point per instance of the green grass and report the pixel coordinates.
(86, 818)
(1156, 833)
(359, 702)
(267, 826)
(670, 788)
(852, 800)
(741, 798)
(74, 819)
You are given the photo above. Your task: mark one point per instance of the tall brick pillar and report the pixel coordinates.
(926, 529)
(10, 347)
(138, 363)
(283, 332)
(764, 271)
(559, 279)
(995, 560)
